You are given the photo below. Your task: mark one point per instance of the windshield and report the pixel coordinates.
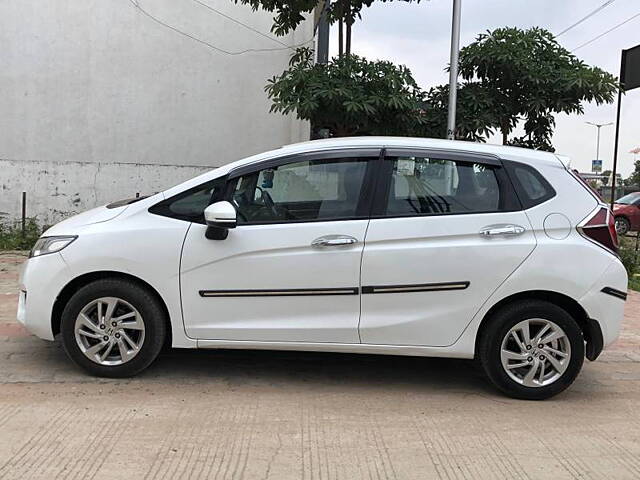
(629, 199)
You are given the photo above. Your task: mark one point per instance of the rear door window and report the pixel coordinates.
(422, 185)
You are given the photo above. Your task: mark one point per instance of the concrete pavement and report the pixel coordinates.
(279, 415)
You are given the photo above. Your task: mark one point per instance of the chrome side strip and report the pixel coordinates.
(425, 287)
(292, 292)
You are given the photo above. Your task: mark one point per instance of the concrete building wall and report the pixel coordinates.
(56, 190)
(99, 87)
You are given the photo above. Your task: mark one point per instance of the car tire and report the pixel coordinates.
(501, 351)
(133, 319)
(622, 225)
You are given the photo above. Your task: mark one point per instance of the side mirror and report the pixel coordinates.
(220, 217)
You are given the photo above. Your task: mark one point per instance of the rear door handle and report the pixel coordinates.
(333, 241)
(502, 229)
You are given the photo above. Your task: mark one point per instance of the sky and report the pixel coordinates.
(419, 36)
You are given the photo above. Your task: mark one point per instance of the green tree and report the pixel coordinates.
(290, 13)
(509, 76)
(634, 179)
(350, 96)
(530, 77)
(474, 113)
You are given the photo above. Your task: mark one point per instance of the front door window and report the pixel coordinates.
(327, 189)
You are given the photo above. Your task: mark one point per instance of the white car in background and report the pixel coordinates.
(399, 246)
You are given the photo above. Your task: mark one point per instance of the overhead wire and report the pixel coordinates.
(607, 32)
(248, 27)
(141, 9)
(587, 17)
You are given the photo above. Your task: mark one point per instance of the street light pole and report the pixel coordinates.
(453, 71)
(599, 126)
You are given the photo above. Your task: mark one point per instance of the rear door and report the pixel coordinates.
(446, 231)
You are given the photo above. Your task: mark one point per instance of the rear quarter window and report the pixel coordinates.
(531, 187)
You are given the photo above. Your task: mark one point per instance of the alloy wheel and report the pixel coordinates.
(535, 352)
(109, 331)
(622, 226)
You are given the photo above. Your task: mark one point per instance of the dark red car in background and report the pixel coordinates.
(626, 211)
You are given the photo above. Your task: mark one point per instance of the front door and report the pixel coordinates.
(290, 270)
(446, 231)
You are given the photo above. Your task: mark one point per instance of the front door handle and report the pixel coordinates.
(333, 241)
(502, 229)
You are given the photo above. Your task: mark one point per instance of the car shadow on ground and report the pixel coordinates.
(261, 367)
(28, 359)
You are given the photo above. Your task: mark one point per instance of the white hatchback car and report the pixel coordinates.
(399, 246)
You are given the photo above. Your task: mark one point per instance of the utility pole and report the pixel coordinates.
(323, 35)
(598, 126)
(453, 70)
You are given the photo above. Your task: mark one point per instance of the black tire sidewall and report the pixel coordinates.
(503, 321)
(142, 299)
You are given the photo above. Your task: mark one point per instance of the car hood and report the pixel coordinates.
(71, 225)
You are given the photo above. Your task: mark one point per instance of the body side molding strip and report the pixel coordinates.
(291, 292)
(425, 287)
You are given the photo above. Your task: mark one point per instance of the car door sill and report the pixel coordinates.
(408, 350)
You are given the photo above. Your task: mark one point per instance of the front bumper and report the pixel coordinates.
(41, 280)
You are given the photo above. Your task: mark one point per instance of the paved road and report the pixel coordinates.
(306, 416)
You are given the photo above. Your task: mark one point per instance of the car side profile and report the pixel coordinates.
(400, 246)
(626, 211)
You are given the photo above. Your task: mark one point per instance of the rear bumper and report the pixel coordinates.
(41, 279)
(604, 304)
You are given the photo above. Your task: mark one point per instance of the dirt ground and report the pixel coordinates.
(234, 414)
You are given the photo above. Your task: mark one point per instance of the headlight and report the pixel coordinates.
(46, 245)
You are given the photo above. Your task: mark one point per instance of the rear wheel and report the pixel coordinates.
(532, 350)
(113, 328)
(622, 225)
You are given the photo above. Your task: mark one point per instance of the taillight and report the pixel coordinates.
(600, 228)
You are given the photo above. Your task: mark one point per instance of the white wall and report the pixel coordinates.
(98, 81)
(56, 190)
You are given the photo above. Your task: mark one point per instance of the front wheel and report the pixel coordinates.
(622, 225)
(532, 350)
(113, 328)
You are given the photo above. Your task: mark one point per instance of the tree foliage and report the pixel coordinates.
(350, 95)
(529, 76)
(510, 77)
(634, 178)
(474, 116)
(289, 14)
